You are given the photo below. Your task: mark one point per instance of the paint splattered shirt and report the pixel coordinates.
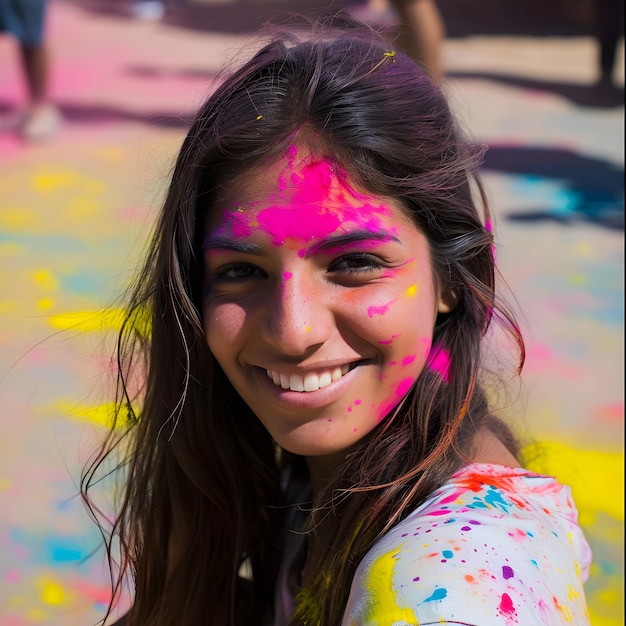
(495, 546)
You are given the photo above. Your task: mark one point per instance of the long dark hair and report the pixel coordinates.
(202, 494)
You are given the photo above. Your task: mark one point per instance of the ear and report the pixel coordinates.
(448, 299)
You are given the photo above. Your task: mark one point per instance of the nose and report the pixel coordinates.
(298, 317)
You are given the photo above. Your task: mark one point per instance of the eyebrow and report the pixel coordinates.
(355, 236)
(220, 242)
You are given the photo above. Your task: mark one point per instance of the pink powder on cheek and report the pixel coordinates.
(408, 359)
(439, 361)
(386, 342)
(379, 310)
(404, 386)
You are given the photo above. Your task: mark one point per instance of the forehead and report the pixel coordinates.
(304, 196)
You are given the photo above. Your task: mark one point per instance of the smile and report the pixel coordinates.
(311, 381)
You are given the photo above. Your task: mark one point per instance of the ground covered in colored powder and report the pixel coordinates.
(75, 212)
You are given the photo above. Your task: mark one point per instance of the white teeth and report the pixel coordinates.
(325, 379)
(310, 382)
(296, 383)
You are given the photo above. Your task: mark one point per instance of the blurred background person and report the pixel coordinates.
(422, 32)
(609, 28)
(418, 26)
(24, 20)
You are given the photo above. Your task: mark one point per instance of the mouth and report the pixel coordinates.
(311, 381)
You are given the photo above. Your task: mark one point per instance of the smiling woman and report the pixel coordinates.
(307, 284)
(315, 445)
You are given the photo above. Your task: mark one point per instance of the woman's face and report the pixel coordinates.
(320, 302)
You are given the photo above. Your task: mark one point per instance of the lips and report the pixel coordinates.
(311, 381)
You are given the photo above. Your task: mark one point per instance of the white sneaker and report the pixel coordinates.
(149, 10)
(42, 122)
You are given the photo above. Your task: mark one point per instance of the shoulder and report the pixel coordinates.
(493, 546)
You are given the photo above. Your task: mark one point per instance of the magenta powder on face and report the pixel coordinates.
(439, 361)
(307, 214)
(379, 310)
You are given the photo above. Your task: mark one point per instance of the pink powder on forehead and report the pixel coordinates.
(239, 223)
(312, 212)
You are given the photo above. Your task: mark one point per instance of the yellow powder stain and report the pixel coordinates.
(37, 615)
(9, 306)
(411, 291)
(578, 280)
(17, 219)
(52, 182)
(603, 621)
(608, 597)
(45, 304)
(89, 321)
(46, 182)
(5, 484)
(595, 478)
(584, 248)
(45, 279)
(16, 603)
(52, 593)
(572, 593)
(112, 154)
(82, 207)
(100, 415)
(307, 329)
(383, 608)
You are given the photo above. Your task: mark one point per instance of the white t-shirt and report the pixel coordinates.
(494, 546)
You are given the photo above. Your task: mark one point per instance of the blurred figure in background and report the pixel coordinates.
(418, 25)
(24, 20)
(422, 32)
(152, 10)
(609, 30)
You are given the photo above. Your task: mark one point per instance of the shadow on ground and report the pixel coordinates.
(593, 189)
(594, 96)
(102, 114)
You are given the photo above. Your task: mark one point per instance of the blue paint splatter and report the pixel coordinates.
(438, 594)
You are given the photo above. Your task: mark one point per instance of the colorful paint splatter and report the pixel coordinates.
(494, 546)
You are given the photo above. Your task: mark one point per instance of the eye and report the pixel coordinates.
(356, 263)
(236, 272)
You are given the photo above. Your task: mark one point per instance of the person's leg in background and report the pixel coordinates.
(422, 32)
(24, 19)
(609, 29)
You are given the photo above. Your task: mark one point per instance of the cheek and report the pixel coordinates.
(223, 326)
(400, 375)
